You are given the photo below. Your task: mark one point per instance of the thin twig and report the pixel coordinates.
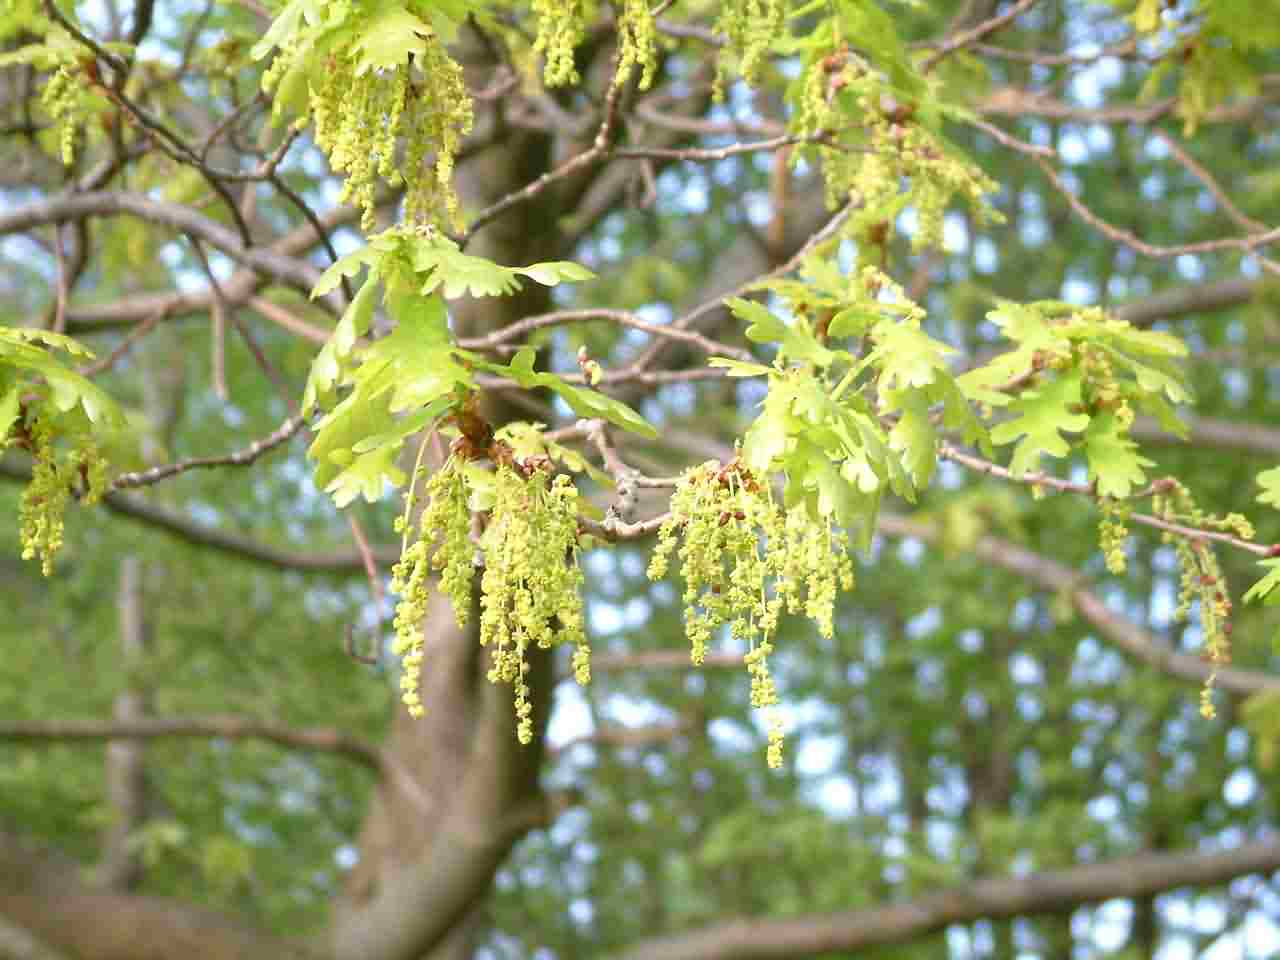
(1134, 242)
(1044, 480)
(140, 330)
(598, 151)
(239, 458)
(966, 37)
(1210, 184)
(60, 308)
(375, 591)
(624, 318)
(284, 318)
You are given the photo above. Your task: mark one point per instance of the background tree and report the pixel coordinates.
(1001, 748)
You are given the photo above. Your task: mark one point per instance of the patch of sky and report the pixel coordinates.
(975, 705)
(1072, 146)
(985, 256)
(23, 250)
(1241, 788)
(1033, 231)
(950, 794)
(910, 550)
(1236, 384)
(1025, 669)
(1163, 601)
(1190, 267)
(1040, 133)
(1079, 291)
(924, 623)
(680, 399)
(1109, 929)
(759, 209)
(955, 234)
(731, 736)
(1024, 614)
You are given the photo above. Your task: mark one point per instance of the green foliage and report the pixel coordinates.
(1210, 48)
(878, 129)
(531, 585)
(405, 382)
(1265, 588)
(68, 96)
(744, 561)
(1269, 481)
(370, 75)
(1088, 376)
(844, 429)
(917, 680)
(61, 419)
(582, 401)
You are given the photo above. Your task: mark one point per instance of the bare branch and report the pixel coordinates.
(991, 898)
(1211, 434)
(1044, 480)
(623, 318)
(1180, 301)
(223, 726)
(1052, 576)
(598, 151)
(239, 458)
(252, 551)
(296, 272)
(974, 34)
(617, 736)
(1247, 244)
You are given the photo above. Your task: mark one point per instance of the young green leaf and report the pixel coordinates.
(554, 272)
(796, 341)
(390, 37)
(1269, 481)
(1114, 463)
(584, 402)
(9, 409)
(737, 368)
(1041, 416)
(1265, 589)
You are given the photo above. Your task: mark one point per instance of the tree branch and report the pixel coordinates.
(992, 898)
(196, 534)
(1180, 301)
(658, 660)
(1209, 432)
(296, 272)
(238, 458)
(1052, 576)
(44, 895)
(972, 35)
(224, 726)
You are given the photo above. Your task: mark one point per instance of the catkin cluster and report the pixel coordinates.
(361, 118)
(530, 591)
(751, 26)
(61, 96)
(896, 163)
(744, 560)
(1113, 531)
(55, 477)
(562, 24)
(443, 544)
(531, 587)
(1201, 576)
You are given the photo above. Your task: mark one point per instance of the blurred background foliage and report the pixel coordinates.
(960, 722)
